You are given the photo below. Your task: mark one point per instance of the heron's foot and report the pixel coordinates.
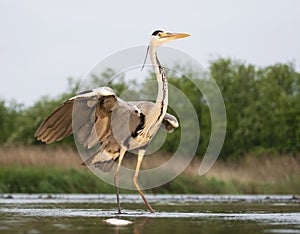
(150, 208)
(119, 208)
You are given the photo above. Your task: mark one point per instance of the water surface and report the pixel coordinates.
(21, 213)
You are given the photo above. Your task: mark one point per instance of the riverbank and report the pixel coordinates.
(58, 170)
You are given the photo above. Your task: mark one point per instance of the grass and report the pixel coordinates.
(57, 170)
(50, 180)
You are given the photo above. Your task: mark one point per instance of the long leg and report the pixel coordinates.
(122, 153)
(135, 178)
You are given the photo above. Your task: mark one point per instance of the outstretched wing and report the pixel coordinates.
(79, 114)
(95, 116)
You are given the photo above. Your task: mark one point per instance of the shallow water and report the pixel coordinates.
(20, 213)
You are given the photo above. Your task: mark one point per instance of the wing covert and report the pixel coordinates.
(79, 115)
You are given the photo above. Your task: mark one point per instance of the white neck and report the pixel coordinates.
(161, 104)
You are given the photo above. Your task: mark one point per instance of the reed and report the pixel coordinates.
(49, 156)
(58, 169)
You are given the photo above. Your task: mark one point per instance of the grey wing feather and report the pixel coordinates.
(113, 129)
(57, 125)
(93, 117)
(77, 115)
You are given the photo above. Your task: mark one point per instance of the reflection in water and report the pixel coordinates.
(138, 228)
(187, 213)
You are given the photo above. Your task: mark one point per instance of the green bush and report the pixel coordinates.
(262, 107)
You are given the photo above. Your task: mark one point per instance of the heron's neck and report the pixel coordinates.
(161, 104)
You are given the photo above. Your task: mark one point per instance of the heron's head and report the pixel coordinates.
(160, 37)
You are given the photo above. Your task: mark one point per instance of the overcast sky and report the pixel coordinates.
(44, 42)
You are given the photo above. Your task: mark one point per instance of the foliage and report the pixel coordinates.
(18, 123)
(262, 107)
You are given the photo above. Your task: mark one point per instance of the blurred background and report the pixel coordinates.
(250, 48)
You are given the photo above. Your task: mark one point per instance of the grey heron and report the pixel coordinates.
(117, 125)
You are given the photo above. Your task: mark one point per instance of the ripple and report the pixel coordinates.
(134, 198)
(274, 218)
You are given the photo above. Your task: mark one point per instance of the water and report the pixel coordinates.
(43, 213)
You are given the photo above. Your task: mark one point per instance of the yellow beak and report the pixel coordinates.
(173, 36)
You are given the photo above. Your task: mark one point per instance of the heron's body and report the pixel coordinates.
(99, 116)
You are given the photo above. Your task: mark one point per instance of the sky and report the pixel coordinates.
(44, 42)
